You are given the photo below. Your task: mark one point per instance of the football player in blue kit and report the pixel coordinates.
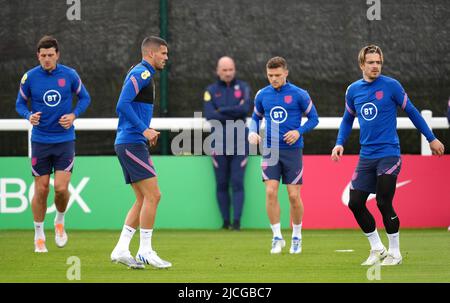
(374, 100)
(135, 110)
(282, 104)
(49, 88)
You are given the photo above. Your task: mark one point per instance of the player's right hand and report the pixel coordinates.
(437, 148)
(34, 118)
(151, 135)
(337, 152)
(254, 138)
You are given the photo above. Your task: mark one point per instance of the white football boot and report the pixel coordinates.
(39, 246)
(391, 260)
(277, 245)
(151, 257)
(124, 257)
(296, 246)
(375, 256)
(60, 235)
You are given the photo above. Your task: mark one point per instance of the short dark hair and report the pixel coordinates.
(153, 41)
(276, 62)
(47, 42)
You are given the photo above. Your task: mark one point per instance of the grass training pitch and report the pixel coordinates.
(226, 256)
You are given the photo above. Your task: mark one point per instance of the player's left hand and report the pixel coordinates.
(291, 136)
(151, 135)
(254, 138)
(437, 148)
(66, 121)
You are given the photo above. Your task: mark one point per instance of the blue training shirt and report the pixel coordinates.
(135, 104)
(283, 109)
(51, 93)
(375, 104)
(224, 102)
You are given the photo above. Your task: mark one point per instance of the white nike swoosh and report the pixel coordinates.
(346, 193)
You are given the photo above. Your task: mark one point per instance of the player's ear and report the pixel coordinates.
(152, 51)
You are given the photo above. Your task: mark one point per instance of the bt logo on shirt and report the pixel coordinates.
(369, 111)
(52, 98)
(278, 114)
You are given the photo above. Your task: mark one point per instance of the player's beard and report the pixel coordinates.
(373, 75)
(161, 65)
